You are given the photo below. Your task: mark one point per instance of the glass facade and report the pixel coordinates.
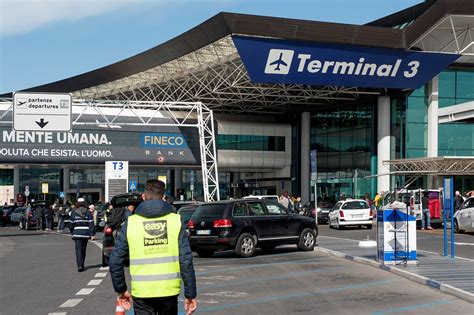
(456, 138)
(6, 177)
(34, 178)
(252, 143)
(343, 140)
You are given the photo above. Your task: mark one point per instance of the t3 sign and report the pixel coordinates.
(281, 61)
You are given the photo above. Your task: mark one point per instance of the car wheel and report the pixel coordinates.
(205, 253)
(105, 261)
(369, 226)
(307, 240)
(245, 245)
(329, 224)
(268, 249)
(456, 227)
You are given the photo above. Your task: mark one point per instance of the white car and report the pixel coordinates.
(351, 212)
(464, 218)
(17, 214)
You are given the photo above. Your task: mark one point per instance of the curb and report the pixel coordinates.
(445, 288)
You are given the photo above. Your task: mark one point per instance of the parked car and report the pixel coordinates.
(28, 219)
(322, 210)
(243, 225)
(351, 212)
(15, 217)
(266, 197)
(186, 212)
(178, 204)
(119, 202)
(464, 218)
(7, 211)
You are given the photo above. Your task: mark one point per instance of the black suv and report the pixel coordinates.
(244, 224)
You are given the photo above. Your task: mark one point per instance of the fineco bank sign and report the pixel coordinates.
(279, 61)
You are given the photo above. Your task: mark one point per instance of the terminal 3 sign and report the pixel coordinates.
(281, 61)
(95, 146)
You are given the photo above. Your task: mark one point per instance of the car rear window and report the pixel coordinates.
(211, 210)
(354, 205)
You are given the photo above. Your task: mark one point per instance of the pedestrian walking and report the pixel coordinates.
(49, 218)
(458, 201)
(39, 217)
(81, 225)
(425, 212)
(94, 216)
(156, 243)
(61, 214)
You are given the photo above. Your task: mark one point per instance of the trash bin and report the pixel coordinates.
(396, 235)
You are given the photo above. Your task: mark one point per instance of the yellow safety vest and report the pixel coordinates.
(154, 255)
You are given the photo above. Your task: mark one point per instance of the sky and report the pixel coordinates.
(43, 41)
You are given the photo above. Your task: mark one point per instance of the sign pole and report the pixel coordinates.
(445, 202)
(451, 213)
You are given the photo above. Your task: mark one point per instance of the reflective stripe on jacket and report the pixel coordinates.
(154, 255)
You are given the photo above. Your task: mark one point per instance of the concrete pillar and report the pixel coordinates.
(432, 135)
(16, 182)
(432, 141)
(383, 142)
(66, 183)
(305, 156)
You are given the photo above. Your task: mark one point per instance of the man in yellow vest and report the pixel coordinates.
(156, 243)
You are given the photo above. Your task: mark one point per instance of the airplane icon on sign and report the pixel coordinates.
(279, 63)
(21, 103)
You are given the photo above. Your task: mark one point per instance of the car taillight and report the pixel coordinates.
(190, 224)
(108, 230)
(371, 213)
(412, 202)
(341, 213)
(222, 223)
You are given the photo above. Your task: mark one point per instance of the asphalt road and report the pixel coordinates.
(427, 240)
(39, 275)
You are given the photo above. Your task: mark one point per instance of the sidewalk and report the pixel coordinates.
(455, 277)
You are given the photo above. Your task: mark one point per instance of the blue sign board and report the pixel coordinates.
(61, 194)
(132, 185)
(314, 166)
(289, 62)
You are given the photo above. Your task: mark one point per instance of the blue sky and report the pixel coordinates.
(42, 41)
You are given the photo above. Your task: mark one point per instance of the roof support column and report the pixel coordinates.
(432, 141)
(383, 142)
(305, 156)
(16, 183)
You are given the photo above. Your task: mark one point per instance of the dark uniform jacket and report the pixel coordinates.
(81, 224)
(152, 209)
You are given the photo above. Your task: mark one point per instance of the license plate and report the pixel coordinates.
(357, 216)
(203, 232)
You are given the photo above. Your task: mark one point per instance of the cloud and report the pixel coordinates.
(23, 16)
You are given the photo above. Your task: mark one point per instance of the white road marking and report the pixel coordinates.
(71, 303)
(95, 282)
(104, 268)
(470, 244)
(85, 291)
(226, 294)
(218, 278)
(101, 274)
(63, 313)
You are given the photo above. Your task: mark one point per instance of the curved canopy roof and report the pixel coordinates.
(202, 64)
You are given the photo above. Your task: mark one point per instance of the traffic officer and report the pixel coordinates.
(81, 225)
(160, 257)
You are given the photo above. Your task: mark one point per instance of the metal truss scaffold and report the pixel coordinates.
(216, 76)
(118, 114)
(447, 166)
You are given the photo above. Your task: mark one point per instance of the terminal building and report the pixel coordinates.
(357, 96)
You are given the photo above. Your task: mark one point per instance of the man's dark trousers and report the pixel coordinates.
(152, 306)
(81, 246)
